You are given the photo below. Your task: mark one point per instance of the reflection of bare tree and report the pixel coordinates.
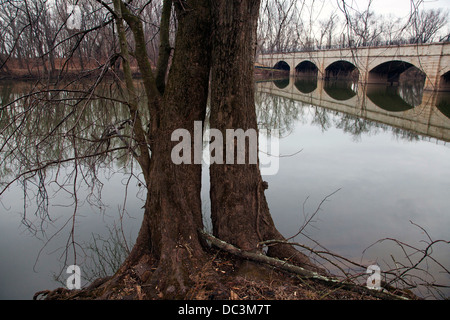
(355, 125)
(358, 127)
(275, 112)
(411, 92)
(44, 129)
(322, 118)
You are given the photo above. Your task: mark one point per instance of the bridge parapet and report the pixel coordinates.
(432, 59)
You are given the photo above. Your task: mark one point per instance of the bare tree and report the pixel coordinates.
(327, 30)
(169, 250)
(426, 24)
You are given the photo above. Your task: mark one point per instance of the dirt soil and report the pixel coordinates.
(241, 280)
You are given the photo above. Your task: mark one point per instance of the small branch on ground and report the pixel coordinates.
(299, 271)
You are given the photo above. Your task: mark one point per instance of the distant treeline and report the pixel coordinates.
(42, 37)
(39, 37)
(294, 26)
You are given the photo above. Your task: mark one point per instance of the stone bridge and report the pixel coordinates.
(369, 64)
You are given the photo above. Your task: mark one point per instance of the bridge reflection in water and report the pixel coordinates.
(406, 106)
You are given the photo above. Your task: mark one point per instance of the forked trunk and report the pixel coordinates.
(169, 235)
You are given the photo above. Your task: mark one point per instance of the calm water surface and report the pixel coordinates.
(384, 148)
(382, 152)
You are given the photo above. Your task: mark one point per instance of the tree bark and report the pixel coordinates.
(164, 47)
(169, 236)
(239, 211)
(173, 210)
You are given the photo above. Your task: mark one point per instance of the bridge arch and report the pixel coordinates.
(391, 72)
(307, 68)
(444, 82)
(282, 65)
(342, 69)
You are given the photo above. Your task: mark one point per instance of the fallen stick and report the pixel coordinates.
(302, 272)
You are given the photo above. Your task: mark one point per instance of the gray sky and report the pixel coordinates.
(317, 10)
(400, 8)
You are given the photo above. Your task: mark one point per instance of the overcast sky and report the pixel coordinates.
(400, 8)
(321, 9)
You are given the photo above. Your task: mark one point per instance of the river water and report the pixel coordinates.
(374, 160)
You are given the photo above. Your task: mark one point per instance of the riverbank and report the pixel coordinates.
(238, 279)
(35, 70)
(61, 69)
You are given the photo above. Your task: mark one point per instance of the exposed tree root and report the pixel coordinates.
(229, 273)
(302, 272)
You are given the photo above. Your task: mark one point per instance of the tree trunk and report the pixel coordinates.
(169, 252)
(173, 210)
(239, 210)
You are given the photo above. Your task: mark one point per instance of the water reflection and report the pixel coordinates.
(378, 189)
(306, 84)
(341, 90)
(387, 98)
(387, 171)
(282, 83)
(443, 103)
(401, 97)
(40, 134)
(405, 107)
